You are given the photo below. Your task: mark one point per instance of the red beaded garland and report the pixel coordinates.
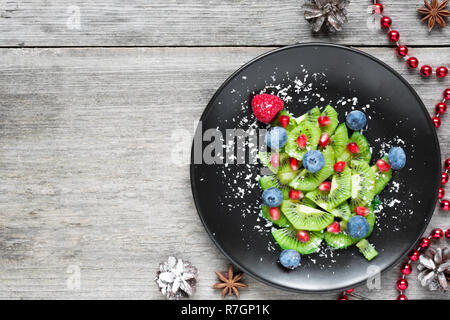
(426, 71)
(424, 243)
(442, 72)
(445, 205)
(402, 297)
(406, 268)
(412, 62)
(402, 51)
(436, 121)
(393, 35)
(447, 94)
(385, 22)
(441, 107)
(441, 193)
(447, 164)
(444, 178)
(437, 234)
(402, 284)
(447, 233)
(378, 8)
(414, 255)
(343, 297)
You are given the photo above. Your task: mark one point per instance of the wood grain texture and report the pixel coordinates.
(85, 175)
(197, 22)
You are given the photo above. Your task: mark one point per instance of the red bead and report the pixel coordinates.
(402, 297)
(406, 269)
(301, 141)
(362, 211)
(441, 72)
(413, 255)
(447, 233)
(284, 121)
(436, 121)
(424, 243)
(437, 233)
(274, 213)
(441, 193)
(444, 178)
(447, 94)
(447, 163)
(349, 291)
(441, 107)
(393, 35)
(412, 62)
(402, 284)
(426, 71)
(325, 186)
(339, 166)
(342, 297)
(353, 147)
(382, 165)
(293, 163)
(335, 227)
(378, 8)
(275, 160)
(324, 121)
(302, 236)
(385, 22)
(295, 194)
(445, 205)
(324, 139)
(402, 51)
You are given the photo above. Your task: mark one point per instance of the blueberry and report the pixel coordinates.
(356, 120)
(397, 158)
(357, 227)
(276, 138)
(272, 197)
(313, 161)
(290, 259)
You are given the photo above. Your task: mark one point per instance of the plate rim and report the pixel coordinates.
(208, 108)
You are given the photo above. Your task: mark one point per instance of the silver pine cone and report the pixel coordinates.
(434, 268)
(329, 13)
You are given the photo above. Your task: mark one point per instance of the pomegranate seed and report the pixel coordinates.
(302, 236)
(324, 139)
(362, 211)
(325, 186)
(334, 227)
(339, 166)
(294, 164)
(324, 121)
(284, 121)
(274, 213)
(295, 194)
(275, 160)
(353, 147)
(382, 165)
(301, 141)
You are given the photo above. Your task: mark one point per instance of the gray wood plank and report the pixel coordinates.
(85, 178)
(197, 22)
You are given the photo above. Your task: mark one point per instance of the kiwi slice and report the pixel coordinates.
(312, 131)
(292, 121)
(281, 222)
(342, 211)
(307, 181)
(331, 113)
(367, 249)
(363, 184)
(287, 239)
(381, 178)
(339, 240)
(371, 220)
(308, 202)
(340, 191)
(271, 181)
(364, 153)
(306, 218)
(311, 116)
(266, 157)
(339, 140)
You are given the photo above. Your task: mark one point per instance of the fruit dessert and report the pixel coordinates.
(321, 186)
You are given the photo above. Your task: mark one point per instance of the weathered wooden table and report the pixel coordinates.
(90, 93)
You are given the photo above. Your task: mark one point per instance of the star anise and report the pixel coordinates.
(230, 282)
(434, 12)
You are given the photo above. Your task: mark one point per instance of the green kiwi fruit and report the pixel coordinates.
(342, 211)
(292, 121)
(364, 153)
(340, 191)
(266, 157)
(307, 181)
(281, 222)
(371, 220)
(339, 240)
(339, 140)
(331, 113)
(363, 184)
(271, 181)
(311, 116)
(305, 218)
(381, 178)
(286, 238)
(367, 249)
(312, 132)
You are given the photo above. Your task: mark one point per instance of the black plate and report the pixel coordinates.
(228, 203)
